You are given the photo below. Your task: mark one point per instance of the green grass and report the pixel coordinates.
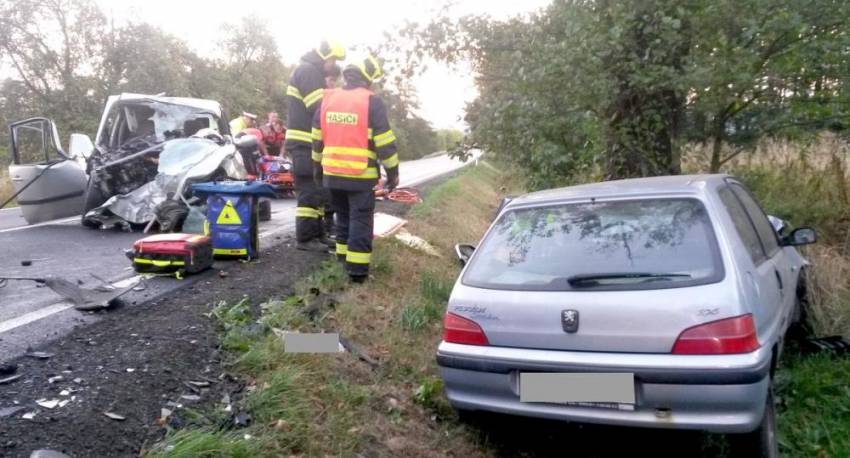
(208, 443)
(814, 398)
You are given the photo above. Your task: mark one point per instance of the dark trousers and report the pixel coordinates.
(354, 220)
(309, 210)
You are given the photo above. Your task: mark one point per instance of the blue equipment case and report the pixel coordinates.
(233, 216)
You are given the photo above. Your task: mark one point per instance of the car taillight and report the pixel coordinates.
(732, 335)
(457, 329)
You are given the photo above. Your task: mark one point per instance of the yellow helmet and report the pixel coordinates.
(329, 48)
(370, 68)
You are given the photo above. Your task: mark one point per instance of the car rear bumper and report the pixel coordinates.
(671, 391)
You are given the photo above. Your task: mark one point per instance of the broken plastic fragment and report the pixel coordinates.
(64, 403)
(55, 379)
(190, 397)
(115, 416)
(48, 404)
(28, 416)
(39, 355)
(417, 243)
(242, 420)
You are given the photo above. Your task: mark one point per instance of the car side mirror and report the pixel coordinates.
(464, 252)
(80, 145)
(804, 235)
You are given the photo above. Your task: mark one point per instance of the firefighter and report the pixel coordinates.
(304, 97)
(351, 137)
(244, 121)
(332, 77)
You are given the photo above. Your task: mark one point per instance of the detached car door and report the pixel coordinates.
(50, 184)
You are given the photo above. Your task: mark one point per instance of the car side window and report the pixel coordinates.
(763, 227)
(742, 224)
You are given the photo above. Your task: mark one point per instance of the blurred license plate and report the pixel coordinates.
(594, 389)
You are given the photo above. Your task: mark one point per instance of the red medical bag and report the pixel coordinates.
(185, 253)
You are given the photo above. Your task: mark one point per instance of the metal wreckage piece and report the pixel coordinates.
(84, 299)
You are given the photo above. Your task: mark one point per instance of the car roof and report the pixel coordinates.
(653, 186)
(203, 104)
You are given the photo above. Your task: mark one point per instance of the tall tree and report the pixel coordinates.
(615, 87)
(54, 47)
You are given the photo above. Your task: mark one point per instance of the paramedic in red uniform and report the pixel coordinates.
(351, 138)
(304, 96)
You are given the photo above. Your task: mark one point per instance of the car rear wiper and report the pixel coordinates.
(589, 279)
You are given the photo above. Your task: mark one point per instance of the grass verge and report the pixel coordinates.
(320, 405)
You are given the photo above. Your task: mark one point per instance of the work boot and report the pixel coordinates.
(331, 243)
(358, 278)
(312, 245)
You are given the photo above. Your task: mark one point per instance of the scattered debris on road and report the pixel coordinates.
(39, 355)
(48, 403)
(115, 416)
(84, 299)
(46, 453)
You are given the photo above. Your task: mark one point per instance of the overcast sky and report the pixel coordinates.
(296, 27)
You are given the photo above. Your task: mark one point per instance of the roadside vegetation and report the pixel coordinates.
(806, 183)
(341, 405)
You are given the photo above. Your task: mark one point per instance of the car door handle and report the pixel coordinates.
(778, 278)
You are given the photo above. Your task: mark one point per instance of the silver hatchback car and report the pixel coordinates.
(659, 302)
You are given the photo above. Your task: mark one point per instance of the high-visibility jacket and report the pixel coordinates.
(237, 125)
(351, 138)
(303, 97)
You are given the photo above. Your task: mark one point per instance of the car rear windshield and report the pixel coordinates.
(613, 245)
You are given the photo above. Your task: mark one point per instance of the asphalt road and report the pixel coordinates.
(31, 315)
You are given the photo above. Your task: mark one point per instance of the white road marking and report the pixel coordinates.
(46, 223)
(28, 318)
(58, 307)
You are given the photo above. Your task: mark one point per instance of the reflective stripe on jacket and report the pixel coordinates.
(345, 132)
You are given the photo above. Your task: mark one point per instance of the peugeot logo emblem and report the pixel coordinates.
(569, 320)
